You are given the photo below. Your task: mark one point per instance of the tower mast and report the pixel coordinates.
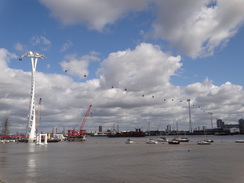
(190, 123)
(31, 126)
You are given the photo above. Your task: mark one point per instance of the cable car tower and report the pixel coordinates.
(31, 126)
(190, 123)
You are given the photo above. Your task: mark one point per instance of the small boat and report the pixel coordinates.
(162, 139)
(129, 141)
(209, 140)
(52, 140)
(239, 141)
(152, 141)
(203, 142)
(173, 141)
(183, 139)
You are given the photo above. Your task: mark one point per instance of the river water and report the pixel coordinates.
(102, 160)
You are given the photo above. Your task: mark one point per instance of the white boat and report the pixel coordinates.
(203, 142)
(129, 141)
(239, 141)
(183, 139)
(162, 139)
(173, 141)
(152, 141)
(209, 140)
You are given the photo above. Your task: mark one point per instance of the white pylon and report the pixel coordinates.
(190, 123)
(31, 125)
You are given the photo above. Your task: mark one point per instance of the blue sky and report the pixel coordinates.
(18, 16)
(177, 49)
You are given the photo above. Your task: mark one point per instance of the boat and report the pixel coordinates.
(77, 138)
(129, 141)
(239, 141)
(183, 139)
(162, 139)
(203, 142)
(209, 140)
(52, 140)
(173, 141)
(152, 141)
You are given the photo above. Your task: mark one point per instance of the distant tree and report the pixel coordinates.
(5, 127)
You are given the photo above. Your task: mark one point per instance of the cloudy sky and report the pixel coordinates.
(136, 61)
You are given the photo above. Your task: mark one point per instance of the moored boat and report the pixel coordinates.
(129, 141)
(239, 141)
(203, 142)
(209, 140)
(152, 141)
(162, 139)
(173, 141)
(183, 139)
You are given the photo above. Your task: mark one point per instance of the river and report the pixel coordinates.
(102, 160)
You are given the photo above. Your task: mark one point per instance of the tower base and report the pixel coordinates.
(31, 140)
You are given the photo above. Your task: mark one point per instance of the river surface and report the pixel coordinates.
(102, 160)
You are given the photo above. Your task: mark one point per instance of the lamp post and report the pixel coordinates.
(211, 115)
(190, 124)
(31, 125)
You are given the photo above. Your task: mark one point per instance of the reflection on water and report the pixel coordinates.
(31, 162)
(32, 147)
(3, 157)
(111, 160)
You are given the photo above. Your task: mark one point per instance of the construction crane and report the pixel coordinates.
(82, 131)
(73, 134)
(38, 115)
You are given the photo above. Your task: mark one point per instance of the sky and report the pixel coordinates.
(135, 61)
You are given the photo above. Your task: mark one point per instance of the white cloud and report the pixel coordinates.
(145, 70)
(196, 28)
(19, 47)
(48, 66)
(40, 41)
(78, 66)
(5, 57)
(37, 40)
(66, 45)
(95, 13)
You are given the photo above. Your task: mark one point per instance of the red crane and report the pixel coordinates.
(82, 132)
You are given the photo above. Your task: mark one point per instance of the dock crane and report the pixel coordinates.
(82, 131)
(73, 134)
